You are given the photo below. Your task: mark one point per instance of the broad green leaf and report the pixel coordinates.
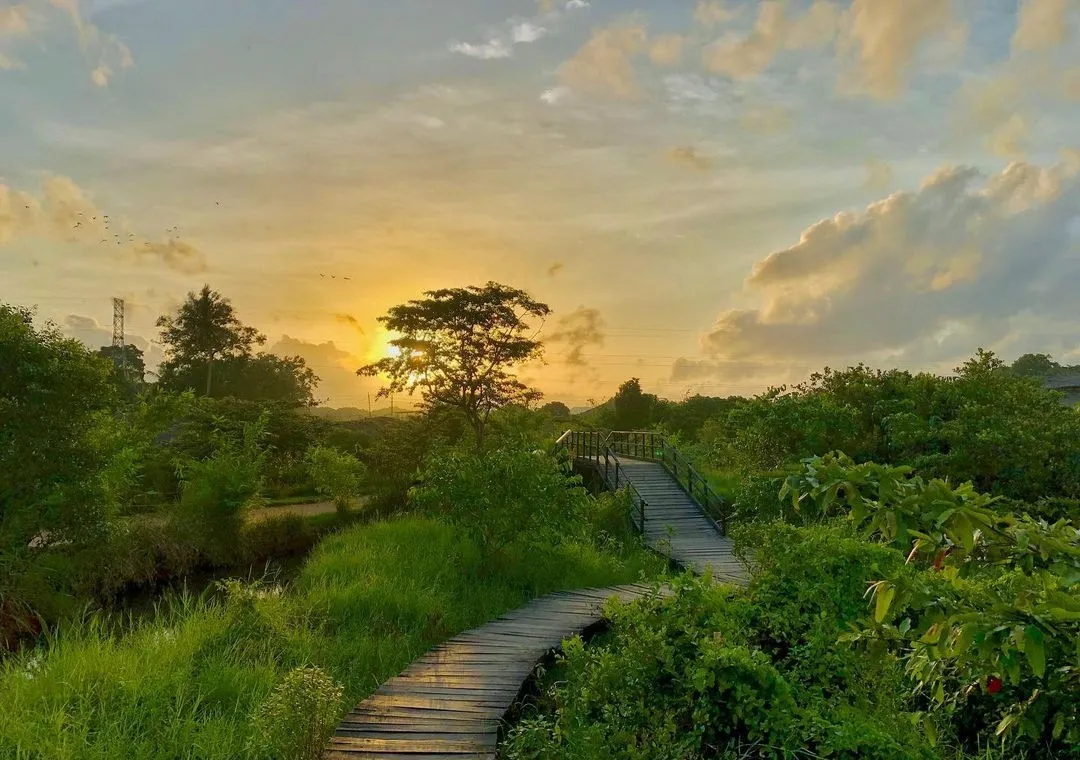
(885, 593)
(1035, 650)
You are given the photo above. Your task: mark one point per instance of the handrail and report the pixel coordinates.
(591, 444)
(655, 447)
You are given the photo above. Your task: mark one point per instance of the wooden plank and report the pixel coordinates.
(448, 704)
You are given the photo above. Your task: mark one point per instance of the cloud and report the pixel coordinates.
(605, 64)
(879, 40)
(63, 210)
(526, 32)
(572, 5)
(1009, 139)
(709, 13)
(879, 174)
(687, 155)
(105, 52)
(667, 49)
(554, 95)
(929, 273)
(770, 119)
(575, 332)
(95, 335)
(1042, 25)
(487, 51)
(747, 56)
(336, 368)
(351, 321)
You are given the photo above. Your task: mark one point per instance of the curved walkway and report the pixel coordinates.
(449, 704)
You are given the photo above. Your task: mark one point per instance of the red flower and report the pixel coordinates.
(993, 684)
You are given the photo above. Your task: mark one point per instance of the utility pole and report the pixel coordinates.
(369, 405)
(118, 333)
(391, 405)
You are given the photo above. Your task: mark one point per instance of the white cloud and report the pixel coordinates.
(526, 32)
(487, 51)
(961, 256)
(576, 4)
(554, 95)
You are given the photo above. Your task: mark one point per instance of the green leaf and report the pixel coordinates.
(930, 729)
(1035, 651)
(884, 598)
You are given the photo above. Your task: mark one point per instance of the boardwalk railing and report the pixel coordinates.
(593, 445)
(653, 447)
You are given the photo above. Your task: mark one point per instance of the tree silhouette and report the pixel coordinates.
(204, 330)
(459, 347)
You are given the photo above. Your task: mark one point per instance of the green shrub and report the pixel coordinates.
(337, 475)
(504, 496)
(297, 719)
(696, 674)
(217, 490)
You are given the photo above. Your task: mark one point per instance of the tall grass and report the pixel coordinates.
(187, 682)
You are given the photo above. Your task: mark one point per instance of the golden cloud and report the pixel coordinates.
(879, 40)
(605, 64)
(667, 49)
(773, 32)
(1042, 25)
(64, 210)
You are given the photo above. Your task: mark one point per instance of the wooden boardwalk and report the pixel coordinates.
(449, 704)
(676, 527)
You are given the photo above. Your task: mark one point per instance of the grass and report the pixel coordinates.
(185, 683)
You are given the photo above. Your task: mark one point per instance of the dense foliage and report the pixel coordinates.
(459, 347)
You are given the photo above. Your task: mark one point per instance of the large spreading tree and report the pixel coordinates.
(459, 347)
(211, 352)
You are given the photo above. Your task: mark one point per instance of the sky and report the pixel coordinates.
(714, 197)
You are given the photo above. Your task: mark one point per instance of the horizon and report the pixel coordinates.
(715, 197)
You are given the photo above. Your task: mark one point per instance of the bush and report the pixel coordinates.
(297, 719)
(337, 475)
(504, 496)
(218, 489)
(687, 676)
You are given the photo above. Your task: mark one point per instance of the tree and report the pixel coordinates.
(459, 347)
(1035, 365)
(633, 408)
(53, 393)
(204, 330)
(556, 409)
(263, 377)
(130, 366)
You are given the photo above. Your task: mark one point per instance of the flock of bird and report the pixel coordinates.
(173, 232)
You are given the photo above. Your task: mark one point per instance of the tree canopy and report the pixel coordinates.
(52, 394)
(210, 351)
(204, 330)
(459, 347)
(633, 408)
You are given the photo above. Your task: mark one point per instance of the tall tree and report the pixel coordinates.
(53, 392)
(633, 408)
(459, 348)
(204, 330)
